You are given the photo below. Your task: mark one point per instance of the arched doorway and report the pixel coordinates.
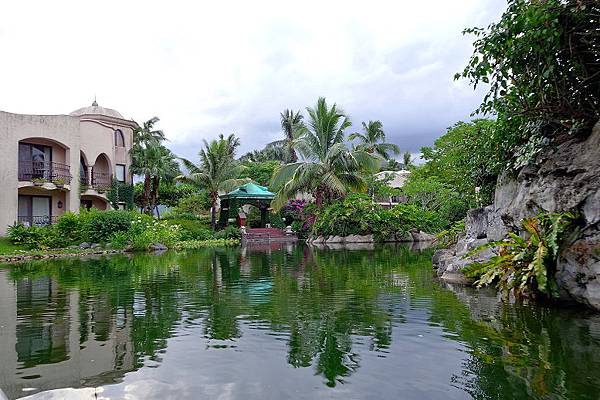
(101, 173)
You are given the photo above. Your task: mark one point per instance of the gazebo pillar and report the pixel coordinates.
(263, 215)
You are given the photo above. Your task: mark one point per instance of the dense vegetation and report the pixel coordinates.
(117, 229)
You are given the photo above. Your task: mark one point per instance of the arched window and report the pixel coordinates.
(119, 138)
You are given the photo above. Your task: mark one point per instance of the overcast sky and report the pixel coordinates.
(206, 68)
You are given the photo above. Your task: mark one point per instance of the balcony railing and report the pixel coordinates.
(46, 170)
(37, 220)
(101, 180)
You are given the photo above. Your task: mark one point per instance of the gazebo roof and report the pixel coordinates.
(249, 191)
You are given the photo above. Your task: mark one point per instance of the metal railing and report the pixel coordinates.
(46, 170)
(101, 180)
(37, 220)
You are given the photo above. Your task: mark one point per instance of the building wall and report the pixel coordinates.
(63, 129)
(69, 136)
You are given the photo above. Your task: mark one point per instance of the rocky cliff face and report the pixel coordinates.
(565, 177)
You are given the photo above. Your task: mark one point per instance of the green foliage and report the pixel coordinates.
(8, 247)
(120, 192)
(229, 232)
(169, 193)
(373, 140)
(146, 231)
(71, 227)
(201, 244)
(37, 237)
(276, 221)
(329, 169)
(429, 194)
(259, 172)
(120, 240)
(359, 215)
(195, 204)
(525, 265)
(192, 229)
(469, 155)
(218, 170)
(541, 64)
(449, 237)
(100, 225)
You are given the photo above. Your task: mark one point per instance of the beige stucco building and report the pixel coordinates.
(50, 164)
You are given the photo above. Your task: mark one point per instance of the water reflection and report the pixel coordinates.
(365, 323)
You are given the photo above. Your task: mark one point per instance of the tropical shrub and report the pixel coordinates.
(120, 240)
(429, 193)
(99, 225)
(194, 204)
(353, 215)
(70, 226)
(540, 62)
(276, 221)
(293, 211)
(27, 236)
(525, 265)
(359, 215)
(229, 232)
(145, 233)
(200, 244)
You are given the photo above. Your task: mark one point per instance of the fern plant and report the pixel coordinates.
(525, 265)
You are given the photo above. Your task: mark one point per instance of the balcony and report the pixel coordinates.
(36, 220)
(45, 170)
(101, 180)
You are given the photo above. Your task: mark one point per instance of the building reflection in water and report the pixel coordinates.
(53, 337)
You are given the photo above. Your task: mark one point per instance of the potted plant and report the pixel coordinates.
(59, 182)
(38, 181)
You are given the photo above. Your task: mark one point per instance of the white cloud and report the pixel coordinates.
(211, 67)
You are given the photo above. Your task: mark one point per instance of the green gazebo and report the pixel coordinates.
(250, 193)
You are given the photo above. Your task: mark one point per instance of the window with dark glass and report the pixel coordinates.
(120, 172)
(119, 138)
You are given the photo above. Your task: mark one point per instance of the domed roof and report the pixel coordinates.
(95, 109)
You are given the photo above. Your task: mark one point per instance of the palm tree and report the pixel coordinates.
(154, 162)
(373, 140)
(328, 168)
(407, 158)
(217, 171)
(146, 134)
(291, 123)
(144, 154)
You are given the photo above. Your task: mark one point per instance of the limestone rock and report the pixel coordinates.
(318, 239)
(564, 177)
(477, 222)
(334, 239)
(359, 239)
(420, 236)
(578, 271)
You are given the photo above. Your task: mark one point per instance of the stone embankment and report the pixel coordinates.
(565, 177)
(410, 237)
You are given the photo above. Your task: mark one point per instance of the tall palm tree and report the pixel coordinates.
(328, 168)
(291, 123)
(146, 134)
(217, 171)
(144, 153)
(154, 162)
(373, 140)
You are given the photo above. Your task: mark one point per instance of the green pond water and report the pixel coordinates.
(279, 322)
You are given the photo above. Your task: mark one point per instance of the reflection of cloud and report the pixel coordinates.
(205, 69)
(70, 394)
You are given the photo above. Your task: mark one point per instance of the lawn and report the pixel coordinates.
(6, 247)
